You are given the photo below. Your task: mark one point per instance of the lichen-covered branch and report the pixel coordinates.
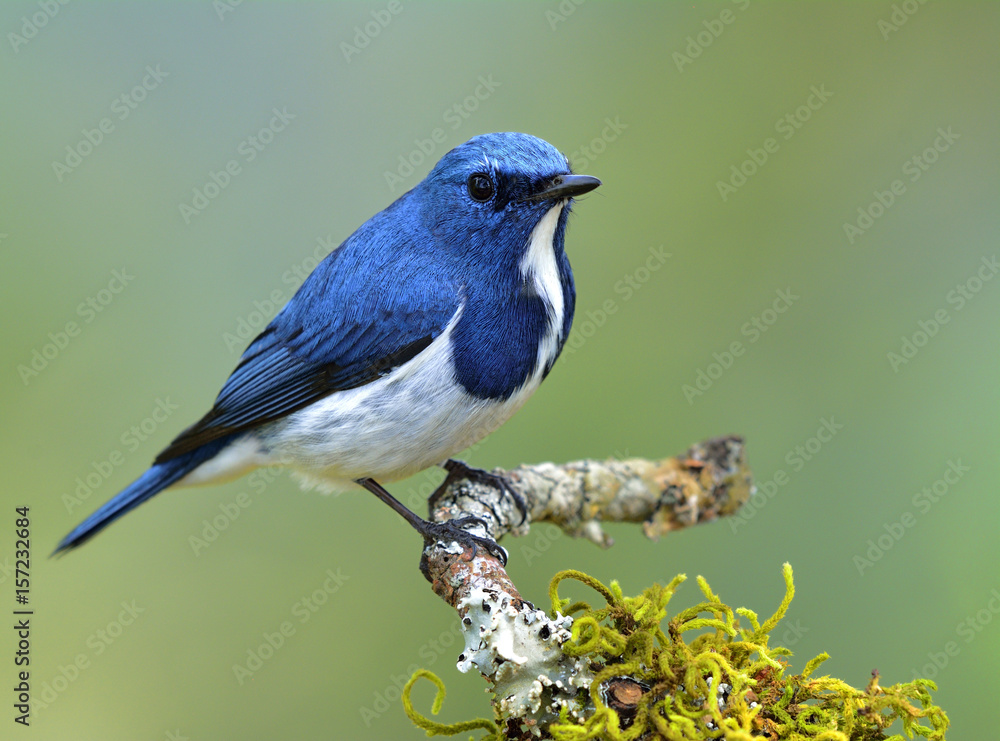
(626, 671)
(517, 647)
(707, 672)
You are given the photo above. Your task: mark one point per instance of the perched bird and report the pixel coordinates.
(418, 336)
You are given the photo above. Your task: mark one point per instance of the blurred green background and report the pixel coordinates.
(663, 102)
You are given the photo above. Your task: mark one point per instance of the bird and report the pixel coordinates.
(423, 332)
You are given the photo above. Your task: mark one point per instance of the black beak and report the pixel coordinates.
(565, 186)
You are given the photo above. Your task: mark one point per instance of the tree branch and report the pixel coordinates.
(518, 647)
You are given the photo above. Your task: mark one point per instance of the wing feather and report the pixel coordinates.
(335, 334)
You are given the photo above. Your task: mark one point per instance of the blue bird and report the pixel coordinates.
(418, 336)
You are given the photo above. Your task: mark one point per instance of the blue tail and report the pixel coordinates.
(155, 480)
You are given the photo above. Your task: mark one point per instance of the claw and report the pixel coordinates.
(452, 530)
(458, 470)
(433, 531)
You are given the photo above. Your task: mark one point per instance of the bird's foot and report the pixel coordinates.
(458, 470)
(452, 531)
(448, 531)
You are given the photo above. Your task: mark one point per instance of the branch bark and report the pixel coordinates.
(517, 646)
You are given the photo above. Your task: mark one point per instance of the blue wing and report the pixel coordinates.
(353, 321)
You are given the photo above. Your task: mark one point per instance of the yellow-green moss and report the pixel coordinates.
(679, 668)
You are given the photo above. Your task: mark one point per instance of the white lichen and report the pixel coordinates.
(520, 650)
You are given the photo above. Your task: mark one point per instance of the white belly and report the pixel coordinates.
(391, 428)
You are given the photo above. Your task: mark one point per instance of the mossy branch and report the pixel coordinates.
(624, 671)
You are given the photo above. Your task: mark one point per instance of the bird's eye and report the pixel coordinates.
(480, 187)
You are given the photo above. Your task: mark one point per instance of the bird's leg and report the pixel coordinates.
(458, 470)
(451, 530)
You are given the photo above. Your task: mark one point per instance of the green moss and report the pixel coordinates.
(656, 681)
(440, 729)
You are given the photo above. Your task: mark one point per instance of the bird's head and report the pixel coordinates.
(485, 197)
